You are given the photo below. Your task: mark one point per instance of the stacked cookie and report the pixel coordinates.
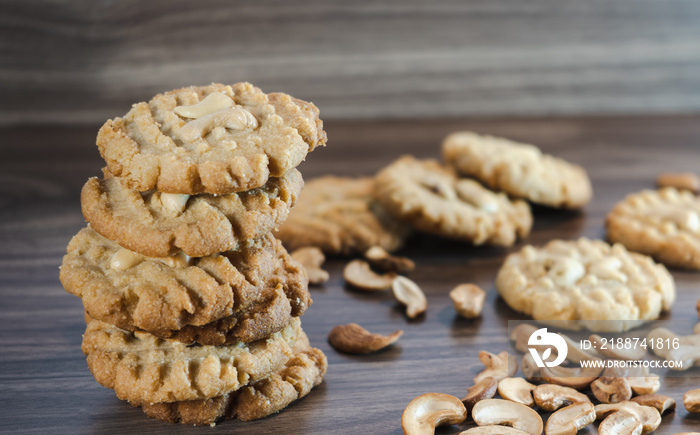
(192, 305)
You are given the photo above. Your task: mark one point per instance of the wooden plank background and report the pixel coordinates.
(84, 61)
(46, 387)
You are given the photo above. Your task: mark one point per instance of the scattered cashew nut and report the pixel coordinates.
(428, 411)
(609, 389)
(620, 423)
(551, 397)
(484, 389)
(658, 401)
(311, 258)
(174, 202)
(358, 274)
(691, 401)
(688, 350)
(493, 430)
(574, 377)
(408, 293)
(498, 366)
(507, 413)
(381, 259)
(571, 419)
(634, 353)
(353, 338)
(650, 417)
(516, 390)
(468, 300)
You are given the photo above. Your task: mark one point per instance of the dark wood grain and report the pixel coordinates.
(89, 60)
(45, 386)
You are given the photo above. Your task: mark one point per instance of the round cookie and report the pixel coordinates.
(161, 224)
(431, 198)
(340, 216)
(518, 169)
(167, 294)
(215, 139)
(142, 368)
(664, 224)
(586, 283)
(303, 371)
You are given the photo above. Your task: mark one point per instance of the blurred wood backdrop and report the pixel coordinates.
(84, 61)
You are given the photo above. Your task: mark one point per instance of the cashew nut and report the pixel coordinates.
(311, 258)
(493, 430)
(353, 338)
(211, 103)
(658, 401)
(650, 417)
(236, 118)
(688, 350)
(381, 259)
(358, 274)
(468, 300)
(608, 389)
(642, 385)
(408, 293)
(551, 397)
(498, 366)
(428, 411)
(634, 353)
(571, 419)
(174, 202)
(530, 369)
(516, 390)
(484, 389)
(679, 180)
(473, 193)
(619, 423)
(521, 335)
(691, 401)
(178, 260)
(124, 259)
(507, 413)
(574, 377)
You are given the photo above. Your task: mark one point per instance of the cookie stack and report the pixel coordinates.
(192, 305)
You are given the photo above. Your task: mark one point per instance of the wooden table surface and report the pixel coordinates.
(45, 385)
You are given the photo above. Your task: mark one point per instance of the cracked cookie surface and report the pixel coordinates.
(340, 216)
(236, 148)
(300, 374)
(586, 283)
(154, 296)
(664, 224)
(520, 170)
(142, 368)
(433, 199)
(150, 223)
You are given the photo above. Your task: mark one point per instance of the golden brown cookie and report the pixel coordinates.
(215, 139)
(433, 199)
(161, 224)
(339, 215)
(303, 371)
(586, 283)
(137, 292)
(142, 368)
(270, 313)
(518, 169)
(664, 224)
